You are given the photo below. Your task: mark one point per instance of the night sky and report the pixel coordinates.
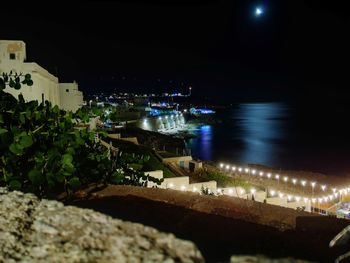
(295, 49)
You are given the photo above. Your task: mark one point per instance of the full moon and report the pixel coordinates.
(259, 11)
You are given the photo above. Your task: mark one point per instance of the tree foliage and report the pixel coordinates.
(42, 152)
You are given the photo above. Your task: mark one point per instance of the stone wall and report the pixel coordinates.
(33, 230)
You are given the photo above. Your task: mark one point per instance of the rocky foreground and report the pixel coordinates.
(33, 230)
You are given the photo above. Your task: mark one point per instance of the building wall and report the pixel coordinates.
(71, 97)
(46, 85)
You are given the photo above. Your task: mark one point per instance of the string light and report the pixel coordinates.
(313, 184)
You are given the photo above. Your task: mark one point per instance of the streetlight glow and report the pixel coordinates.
(285, 178)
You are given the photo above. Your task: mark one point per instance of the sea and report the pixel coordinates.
(287, 136)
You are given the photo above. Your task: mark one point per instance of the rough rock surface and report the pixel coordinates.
(33, 230)
(263, 259)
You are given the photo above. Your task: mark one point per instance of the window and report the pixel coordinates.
(67, 90)
(12, 56)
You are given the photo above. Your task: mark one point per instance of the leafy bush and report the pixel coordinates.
(41, 152)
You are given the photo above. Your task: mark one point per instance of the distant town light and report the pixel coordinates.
(313, 184)
(272, 192)
(285, 178)
(334, 190)
(269, 175)
(313, 200)
(294, 181)
(183, 188)
(289, 197)
(246, 170)
(253, 171)
(303, 183)
(227, 167)
(242, 191)
(280, 195)
(230, 191)
(239, 169)
(297, 198)
(252, 191)
(221, 165)
(323, 187)
(261, 173)
(233, 168)
(277, 176)
(306, 200)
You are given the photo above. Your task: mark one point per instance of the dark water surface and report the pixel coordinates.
(280, 135)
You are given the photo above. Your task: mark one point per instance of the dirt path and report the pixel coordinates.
(222, 226)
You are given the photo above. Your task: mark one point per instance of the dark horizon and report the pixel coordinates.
(296, 49)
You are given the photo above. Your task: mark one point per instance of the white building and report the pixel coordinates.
(46, 85)
(71, 98)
